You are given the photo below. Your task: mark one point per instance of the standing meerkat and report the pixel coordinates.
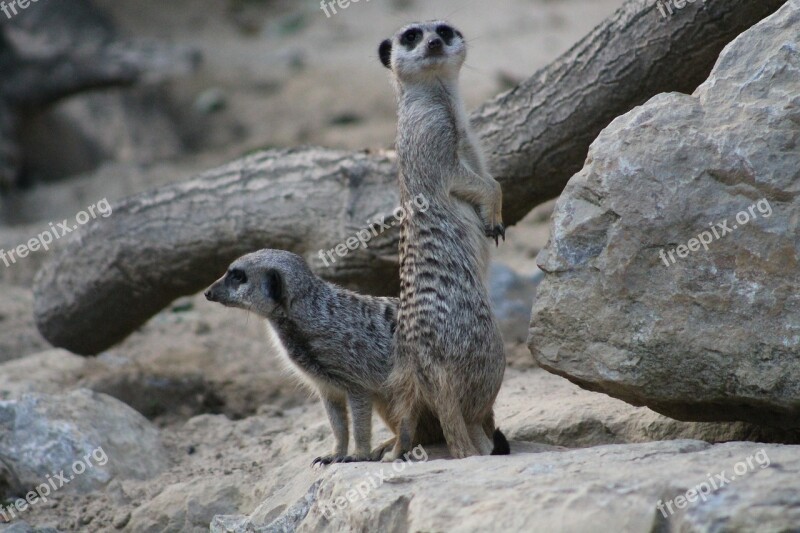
(337, 341)
(449, 356)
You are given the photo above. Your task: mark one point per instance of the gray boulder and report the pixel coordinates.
(672, 270)
(45, 437)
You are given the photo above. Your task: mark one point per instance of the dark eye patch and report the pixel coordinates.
(411, 37)
(273, 285)
(237, 276)
(446, 33)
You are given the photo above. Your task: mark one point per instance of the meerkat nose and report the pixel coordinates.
(435, 44)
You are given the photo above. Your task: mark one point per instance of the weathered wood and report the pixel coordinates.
(175, 241)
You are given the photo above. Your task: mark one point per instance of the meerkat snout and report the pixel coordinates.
(228, 289)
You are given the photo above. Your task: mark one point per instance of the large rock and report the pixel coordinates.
(606, 488)
(44, 435)
(633, 304)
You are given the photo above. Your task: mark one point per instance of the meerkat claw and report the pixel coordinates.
(495, 232)
(326, 460)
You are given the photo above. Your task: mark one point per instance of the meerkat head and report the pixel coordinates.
(264, 282)
(424, 50)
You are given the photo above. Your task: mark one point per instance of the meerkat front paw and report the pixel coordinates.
(498, 229)
(495, 232)
(492, 216)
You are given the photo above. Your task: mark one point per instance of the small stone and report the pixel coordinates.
(121, 520)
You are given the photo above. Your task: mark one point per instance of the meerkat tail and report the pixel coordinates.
(501, 446)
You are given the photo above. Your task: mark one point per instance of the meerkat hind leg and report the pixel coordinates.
(383, 448)
(479, 438)
(405, 436)
(456, 434)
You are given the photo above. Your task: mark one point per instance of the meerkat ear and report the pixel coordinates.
(385, 53)
(273, 286)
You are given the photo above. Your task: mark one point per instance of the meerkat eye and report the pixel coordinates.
(446, 33)
(237, 276)
(410, 37)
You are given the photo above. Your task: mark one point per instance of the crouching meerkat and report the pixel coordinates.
(337, 341)
(449, 354)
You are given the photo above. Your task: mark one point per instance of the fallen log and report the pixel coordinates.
(174, 241)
